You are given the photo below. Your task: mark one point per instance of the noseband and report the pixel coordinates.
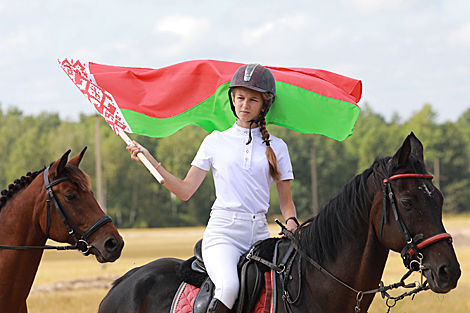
(411, 248)
(80, 244)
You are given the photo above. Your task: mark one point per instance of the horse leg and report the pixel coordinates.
(146, 289)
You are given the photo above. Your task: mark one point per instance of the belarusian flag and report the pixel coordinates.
(159, 102)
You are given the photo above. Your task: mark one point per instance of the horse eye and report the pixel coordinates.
(407, 203)
(71, 197)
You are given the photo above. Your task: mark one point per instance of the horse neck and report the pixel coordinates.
(19, 226)
(357, 258)
(20, 217)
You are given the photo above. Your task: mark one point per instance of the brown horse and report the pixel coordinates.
(340, 254)
(36, 208)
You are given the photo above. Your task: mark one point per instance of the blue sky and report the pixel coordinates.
(406, 52)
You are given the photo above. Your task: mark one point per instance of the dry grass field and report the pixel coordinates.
(69, 282)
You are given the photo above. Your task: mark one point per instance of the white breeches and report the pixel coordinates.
(228, 235)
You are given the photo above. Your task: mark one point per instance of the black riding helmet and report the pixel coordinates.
(258, 78)
(255, 77)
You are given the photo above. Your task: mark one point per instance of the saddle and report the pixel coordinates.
(252, 268)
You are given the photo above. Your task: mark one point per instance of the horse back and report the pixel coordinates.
(149, 288)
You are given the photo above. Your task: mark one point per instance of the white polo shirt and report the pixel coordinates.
(241, 171)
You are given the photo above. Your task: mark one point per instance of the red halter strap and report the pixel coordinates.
(430, 241)
(425, 176)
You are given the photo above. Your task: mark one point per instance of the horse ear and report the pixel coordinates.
(416, 147)
(76, 159)
(58, 166)
(400, 157)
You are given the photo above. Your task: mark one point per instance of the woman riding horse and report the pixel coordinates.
(245, 161)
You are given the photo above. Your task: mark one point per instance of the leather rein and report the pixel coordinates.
(412, 249)
(81, 243)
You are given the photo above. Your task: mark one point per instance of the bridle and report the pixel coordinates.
(413, 245)
(81, 243)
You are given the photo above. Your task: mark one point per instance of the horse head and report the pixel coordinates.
(408, 218)
(85, 222)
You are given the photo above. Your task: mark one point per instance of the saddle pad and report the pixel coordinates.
(184, 299)
(265, 303)
(186, 294)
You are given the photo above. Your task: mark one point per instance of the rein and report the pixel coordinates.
(410, 250)
(80, 244)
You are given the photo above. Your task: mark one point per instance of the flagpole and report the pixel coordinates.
(143, 158)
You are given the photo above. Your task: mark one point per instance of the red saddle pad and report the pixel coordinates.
(186, 294)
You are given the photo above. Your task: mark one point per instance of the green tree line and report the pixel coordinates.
(133, 198)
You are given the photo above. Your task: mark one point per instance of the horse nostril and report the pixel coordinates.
(110, 245)
(449, 273)
(444, 273)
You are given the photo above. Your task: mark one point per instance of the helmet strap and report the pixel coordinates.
(251, 124)
(232, 106)
(249, 132)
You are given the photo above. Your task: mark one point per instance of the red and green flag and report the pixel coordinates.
(159, 102)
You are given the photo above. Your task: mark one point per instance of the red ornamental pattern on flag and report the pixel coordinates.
(103, 101)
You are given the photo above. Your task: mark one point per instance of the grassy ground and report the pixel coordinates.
(65, 280)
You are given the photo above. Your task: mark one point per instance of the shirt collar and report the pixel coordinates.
(244, 132)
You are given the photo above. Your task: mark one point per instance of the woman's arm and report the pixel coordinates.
(183, 189)
(286, 204)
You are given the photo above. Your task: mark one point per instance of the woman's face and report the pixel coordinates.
(248, 105)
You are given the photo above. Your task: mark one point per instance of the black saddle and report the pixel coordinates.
(251, 273)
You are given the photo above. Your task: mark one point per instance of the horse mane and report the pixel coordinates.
(74, 173)
(324, 235)
(18, 184)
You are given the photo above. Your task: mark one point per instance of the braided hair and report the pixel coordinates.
(272, 159)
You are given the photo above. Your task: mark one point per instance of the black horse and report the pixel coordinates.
(392, 205)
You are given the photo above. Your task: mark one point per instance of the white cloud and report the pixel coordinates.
(461, 36)
(284, 28)
(185, 32)
(85, 54)
(369, 7)
(255, 35)
(330, 36)
(183, 26)
(419, 22)
(25, 43)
